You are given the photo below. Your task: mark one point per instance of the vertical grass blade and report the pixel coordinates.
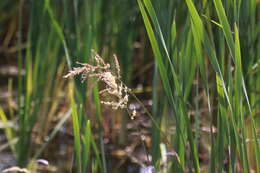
(76, 130)
(86, 145)
(225, 25)
(99, 117)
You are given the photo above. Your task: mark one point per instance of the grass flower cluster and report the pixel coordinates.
(102, 71)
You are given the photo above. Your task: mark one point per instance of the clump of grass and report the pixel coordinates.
(113, 87)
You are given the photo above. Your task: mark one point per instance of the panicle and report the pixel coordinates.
(103, 73)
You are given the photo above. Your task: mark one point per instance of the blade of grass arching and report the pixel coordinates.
(156, 50)
(156, 24)
(158, 56)
(76, 129)
(101, 137)
(198, 30)
(86, 145)
(225, 26)
(165, 77)
(58, 30)
(154, 20)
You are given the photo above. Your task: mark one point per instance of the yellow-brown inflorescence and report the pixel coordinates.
(103, 72)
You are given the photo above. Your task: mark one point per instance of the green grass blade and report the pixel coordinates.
(58, 30)
(225, 25)
(238, 98)
(8, 131)
(86, 145)
(156, 50)
(76, 130)
(99, 117)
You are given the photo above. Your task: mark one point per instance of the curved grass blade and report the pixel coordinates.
(164, 76)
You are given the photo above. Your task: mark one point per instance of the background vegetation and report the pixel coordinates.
(194, 70)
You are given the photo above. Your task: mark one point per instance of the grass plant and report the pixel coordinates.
(204, 82)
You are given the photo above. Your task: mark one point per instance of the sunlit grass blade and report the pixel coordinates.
(8, 131)
(76, 130)
(225, 25)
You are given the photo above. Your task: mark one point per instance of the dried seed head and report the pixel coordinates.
(103, 73)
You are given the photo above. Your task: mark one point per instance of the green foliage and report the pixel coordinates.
(205, 76)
